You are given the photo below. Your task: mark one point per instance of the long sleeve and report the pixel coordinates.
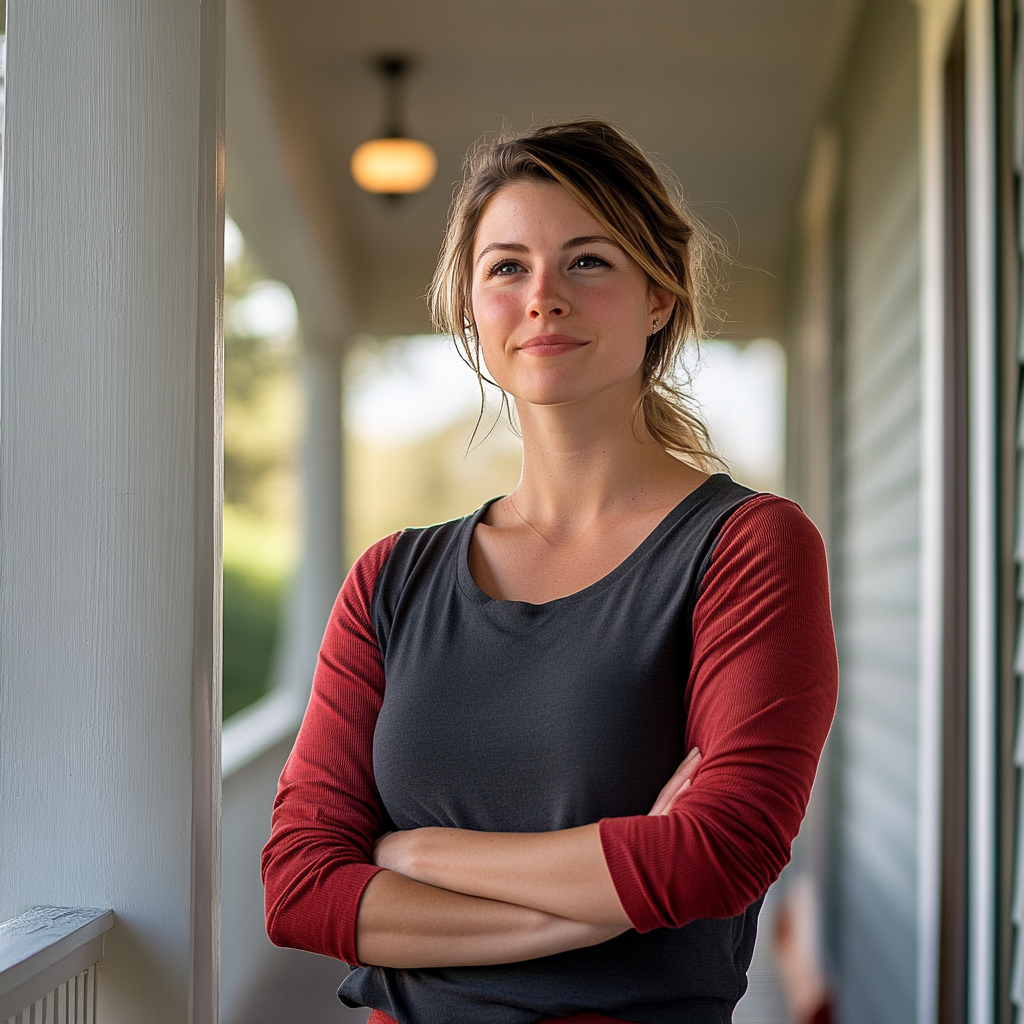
(327, 812)
(760, 695)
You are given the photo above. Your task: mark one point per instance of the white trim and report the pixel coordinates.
(981, 290)
(257, 728)
(207, 505)
(937, 20)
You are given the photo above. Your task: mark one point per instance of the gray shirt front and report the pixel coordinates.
(504, 716)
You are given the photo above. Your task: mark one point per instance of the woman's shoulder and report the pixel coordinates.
(410, 540)
(419, 556)
(767, 517)
(434, 544)
(367, 567)
(356, 595)
(768, 542)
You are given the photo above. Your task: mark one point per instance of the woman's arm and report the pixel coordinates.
(403, 923)
(761, 696)
(327, 813)
(562, 873)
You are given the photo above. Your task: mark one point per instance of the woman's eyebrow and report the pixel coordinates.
(589, 240)
(506, 246)
(571, 244)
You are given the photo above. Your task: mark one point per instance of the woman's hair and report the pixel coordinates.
(612, 179)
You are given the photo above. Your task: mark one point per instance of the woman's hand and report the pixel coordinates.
(677, 785)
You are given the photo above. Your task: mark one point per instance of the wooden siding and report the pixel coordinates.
(877, 506)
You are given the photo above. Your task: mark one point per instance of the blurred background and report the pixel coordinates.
(825, 142)
(863, 163)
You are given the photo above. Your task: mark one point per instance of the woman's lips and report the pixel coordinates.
(552, 344)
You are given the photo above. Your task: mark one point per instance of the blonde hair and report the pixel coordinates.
(612, 179)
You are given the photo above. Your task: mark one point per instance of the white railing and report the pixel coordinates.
(47, 965)
(255, 745)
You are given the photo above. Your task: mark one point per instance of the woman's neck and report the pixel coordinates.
(588, 460)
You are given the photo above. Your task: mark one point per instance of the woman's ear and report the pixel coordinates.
(660, 303)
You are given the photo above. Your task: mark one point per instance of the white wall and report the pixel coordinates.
(110, 484)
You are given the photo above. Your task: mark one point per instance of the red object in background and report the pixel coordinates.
(824, 1014)
(797, 953)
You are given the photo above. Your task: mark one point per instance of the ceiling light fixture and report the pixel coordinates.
(393, 165)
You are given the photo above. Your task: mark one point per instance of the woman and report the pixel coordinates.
(486, 801)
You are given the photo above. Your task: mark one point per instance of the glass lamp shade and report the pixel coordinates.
(393, 166)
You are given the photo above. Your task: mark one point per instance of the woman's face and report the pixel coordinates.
(563, 314)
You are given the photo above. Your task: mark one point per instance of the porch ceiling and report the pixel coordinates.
(726, 92)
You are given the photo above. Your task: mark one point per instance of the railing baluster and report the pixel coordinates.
(48, 945)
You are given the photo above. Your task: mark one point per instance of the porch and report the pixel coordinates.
(861, 158)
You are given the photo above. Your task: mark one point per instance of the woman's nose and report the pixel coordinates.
(546, 299)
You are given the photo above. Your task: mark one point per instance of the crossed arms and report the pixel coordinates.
(760, 699)
(452, 897)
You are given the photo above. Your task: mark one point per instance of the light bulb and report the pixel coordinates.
(394, 166)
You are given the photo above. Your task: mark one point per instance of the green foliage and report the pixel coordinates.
(261, 433)
(252, 607)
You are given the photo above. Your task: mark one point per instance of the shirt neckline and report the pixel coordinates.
(472, 591)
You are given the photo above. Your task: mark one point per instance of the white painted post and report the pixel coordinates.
(110, 487)
(321, 570)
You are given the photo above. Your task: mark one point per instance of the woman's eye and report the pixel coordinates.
(588, 262)
(506, 268)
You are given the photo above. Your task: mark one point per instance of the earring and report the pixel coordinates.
(654, 326)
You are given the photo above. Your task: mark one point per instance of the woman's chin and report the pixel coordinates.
(552, 398)
(566, 393)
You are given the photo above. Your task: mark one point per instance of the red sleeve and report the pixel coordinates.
(761, 696)
(327, 812)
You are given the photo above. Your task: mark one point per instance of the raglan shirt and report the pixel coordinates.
(507, 716)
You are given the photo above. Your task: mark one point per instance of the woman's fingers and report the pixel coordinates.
(679, 776)
(667, 798)
(679, 792)
(677, 784)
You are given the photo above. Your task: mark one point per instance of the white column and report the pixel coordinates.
(110, 384)
(321, 569)
(982, 306)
